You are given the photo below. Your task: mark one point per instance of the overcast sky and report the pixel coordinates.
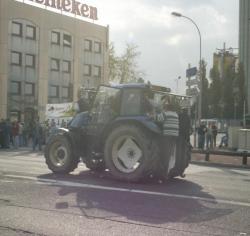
(167, 44)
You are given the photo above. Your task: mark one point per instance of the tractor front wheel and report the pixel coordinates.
(59, 155)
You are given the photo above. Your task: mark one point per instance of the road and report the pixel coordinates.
(209, 201)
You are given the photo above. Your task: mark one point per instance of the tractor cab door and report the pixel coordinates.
(105, 108)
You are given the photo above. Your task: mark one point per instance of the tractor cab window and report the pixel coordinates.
(131, 102)
(106, 105)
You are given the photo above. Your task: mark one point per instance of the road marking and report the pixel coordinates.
(7, 181)
(91, 186)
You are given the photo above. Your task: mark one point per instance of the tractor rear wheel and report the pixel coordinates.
(59, 155)
(130, 153)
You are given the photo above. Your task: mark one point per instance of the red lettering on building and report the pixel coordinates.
(93, 13)
(50, 3)
(66, 5)
(75, 8)
(85, 10)
(72, 6)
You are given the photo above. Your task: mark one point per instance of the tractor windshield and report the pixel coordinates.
(106, 105)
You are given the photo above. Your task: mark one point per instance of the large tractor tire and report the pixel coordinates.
(59, 155)
(130, 153)
(183, 157)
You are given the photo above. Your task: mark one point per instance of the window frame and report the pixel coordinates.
(57, 91)
(70, 42)
(58, 63)
(99, 71)
(21, 29)
(34, 32)
(20, 58)
(99, 51)
(64, 87)
(69, 66)
(33, 60)
(32, 88)
(89, 71)
(18, 88)
(90, 48)
(58, 38)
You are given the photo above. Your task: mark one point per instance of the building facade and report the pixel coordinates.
(45, 57)
(244, 45)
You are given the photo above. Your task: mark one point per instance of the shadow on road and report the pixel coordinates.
(178, 205)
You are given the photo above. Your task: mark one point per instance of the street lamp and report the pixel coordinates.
(177, 14)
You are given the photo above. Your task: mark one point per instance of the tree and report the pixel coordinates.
(215, 93)
(240, 92)
(228, 96)
(113, 63)
(124, 68)
(205, 84)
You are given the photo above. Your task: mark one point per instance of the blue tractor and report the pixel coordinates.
(119, 132)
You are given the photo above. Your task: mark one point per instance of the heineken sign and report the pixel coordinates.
(71, 6)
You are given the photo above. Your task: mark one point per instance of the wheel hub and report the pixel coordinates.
(129, 153)
(60, 153)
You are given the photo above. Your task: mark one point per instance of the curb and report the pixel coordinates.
(204, 163)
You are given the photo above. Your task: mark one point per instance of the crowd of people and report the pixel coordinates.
(15, 134)
(207, 136)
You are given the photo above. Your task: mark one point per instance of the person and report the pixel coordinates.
(37, 135)
(1, 134)
(201, 135)
(209, 143)
(214, 134)
(52, 126)
(15, 133)
(224, 140)
(63, 124)
(20, 134)
(169, 122)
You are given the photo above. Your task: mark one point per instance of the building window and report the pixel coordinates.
(87, 70)
(17, 29)
(15, 88)
(16, 58)
(54, 91)
(30, 89)
(65, 92)
(31, 32)
(67, 40)
(97, 71)
(55, 37)
(66, 66)
(55, 64)
(88, 45)
(97, 47)
(30, 60)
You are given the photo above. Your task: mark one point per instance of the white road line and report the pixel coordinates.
(6, 181)
(91, 186)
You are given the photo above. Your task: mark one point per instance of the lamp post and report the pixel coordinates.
(177, 14)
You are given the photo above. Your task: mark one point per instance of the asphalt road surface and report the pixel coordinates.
(209, 201)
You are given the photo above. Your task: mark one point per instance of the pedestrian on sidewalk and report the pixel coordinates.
(209, 143)
(37, 135)
(15, 134)
(201, 135)
(214, 134)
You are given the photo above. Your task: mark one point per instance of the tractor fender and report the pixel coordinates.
(141, 121)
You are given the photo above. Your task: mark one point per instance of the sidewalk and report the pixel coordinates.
(224, 160)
